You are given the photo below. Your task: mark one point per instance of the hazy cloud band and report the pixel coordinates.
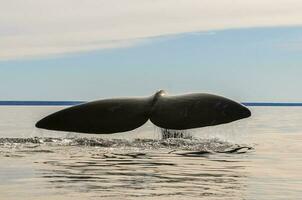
(45, 27)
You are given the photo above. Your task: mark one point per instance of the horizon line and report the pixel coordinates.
(71, 103)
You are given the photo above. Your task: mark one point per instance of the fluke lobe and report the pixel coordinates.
(124, 114)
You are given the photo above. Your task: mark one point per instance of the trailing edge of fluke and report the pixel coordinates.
(169, 112)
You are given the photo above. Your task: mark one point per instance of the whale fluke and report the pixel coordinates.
(125, 114)
(104, 116)
(196, 110)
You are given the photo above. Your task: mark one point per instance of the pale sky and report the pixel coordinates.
(84, 50)
(35, 27)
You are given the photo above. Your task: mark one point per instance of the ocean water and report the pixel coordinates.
(253, 159)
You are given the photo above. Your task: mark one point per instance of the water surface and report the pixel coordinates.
(256, 158)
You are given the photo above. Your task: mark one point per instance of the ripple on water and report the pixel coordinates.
(114, 168)
(213, 145)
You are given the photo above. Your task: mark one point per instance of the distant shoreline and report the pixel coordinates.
(271, 104)
(40, 103)
(71, 103)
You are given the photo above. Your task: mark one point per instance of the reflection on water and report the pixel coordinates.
(148, 175)
(257, 158)
(173, 168)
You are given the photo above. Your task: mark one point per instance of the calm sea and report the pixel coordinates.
(252, 159)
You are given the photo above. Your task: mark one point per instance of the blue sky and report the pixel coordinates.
(247, 64)
(83, 50)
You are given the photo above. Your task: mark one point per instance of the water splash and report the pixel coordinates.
(172, 144)
(168, 133)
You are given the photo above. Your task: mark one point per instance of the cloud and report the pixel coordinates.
(40, 28)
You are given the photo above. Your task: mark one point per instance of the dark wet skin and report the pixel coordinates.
(169, 112)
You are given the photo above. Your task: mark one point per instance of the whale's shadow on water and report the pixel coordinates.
(120, 168)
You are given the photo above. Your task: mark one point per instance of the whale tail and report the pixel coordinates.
(168, 112)
(99, 117)
(195, 111)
